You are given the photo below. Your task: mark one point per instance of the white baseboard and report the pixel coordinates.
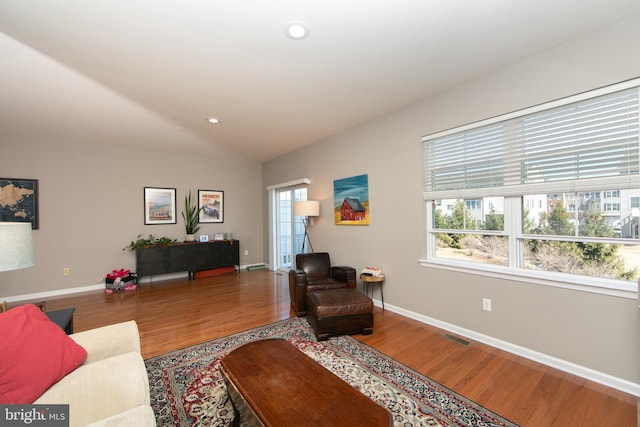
(68, 291)
(56, 293)
(563, 365)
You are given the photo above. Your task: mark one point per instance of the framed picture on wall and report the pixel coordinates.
(211, 205)
(19, 201)
(351, 200)
(159, 205)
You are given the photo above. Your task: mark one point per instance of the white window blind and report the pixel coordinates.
(572, 146)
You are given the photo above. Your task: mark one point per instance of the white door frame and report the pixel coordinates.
(272, 206)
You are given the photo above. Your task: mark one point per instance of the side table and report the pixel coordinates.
(368, 280)
(62, 318)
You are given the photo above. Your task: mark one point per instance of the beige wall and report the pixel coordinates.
(593, 331)
(91, 206)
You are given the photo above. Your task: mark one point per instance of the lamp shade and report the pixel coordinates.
(306, 208)
(16, 246)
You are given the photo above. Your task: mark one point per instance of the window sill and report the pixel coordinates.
(616, 288)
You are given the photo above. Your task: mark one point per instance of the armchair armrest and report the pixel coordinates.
(298, 291)
(345, 274)
(299, 275)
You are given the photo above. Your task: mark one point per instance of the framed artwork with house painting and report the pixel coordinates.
(19, 201)
(351, 200)
(159, 205)
(211, 205)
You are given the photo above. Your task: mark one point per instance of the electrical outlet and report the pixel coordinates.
(246, 252)
(486, 304)
(66, 271)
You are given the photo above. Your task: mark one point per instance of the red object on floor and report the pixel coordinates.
(214, 272)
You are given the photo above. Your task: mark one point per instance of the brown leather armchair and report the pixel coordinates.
(314, 272)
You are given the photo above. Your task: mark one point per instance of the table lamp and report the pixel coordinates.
(306, 208)
(16, 248)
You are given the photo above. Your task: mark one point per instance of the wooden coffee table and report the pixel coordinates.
(272, 383)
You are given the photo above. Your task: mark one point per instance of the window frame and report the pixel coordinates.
(513, 229)
(515, 271)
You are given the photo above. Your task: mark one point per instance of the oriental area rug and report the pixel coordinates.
(187, 388)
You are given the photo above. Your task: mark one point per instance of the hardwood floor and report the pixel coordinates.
(176, 314)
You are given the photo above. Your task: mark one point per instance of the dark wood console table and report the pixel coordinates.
(190, 257)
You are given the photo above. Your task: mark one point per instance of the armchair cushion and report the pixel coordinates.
(315, 265)
(314, 273)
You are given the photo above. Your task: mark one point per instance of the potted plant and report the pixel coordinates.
(142, 242)
(191, 216)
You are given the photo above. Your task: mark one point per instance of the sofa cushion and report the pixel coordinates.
(36, 353)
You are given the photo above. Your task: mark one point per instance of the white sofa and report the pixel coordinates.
(111, 387)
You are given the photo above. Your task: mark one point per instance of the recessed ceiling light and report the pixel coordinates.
(213, 120)
(296, 30)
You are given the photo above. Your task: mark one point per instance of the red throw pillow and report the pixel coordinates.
(35, 353)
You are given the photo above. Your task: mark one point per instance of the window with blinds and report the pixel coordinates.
(590, 143)
(549, 193)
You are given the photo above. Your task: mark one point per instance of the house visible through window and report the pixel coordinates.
(551, 192)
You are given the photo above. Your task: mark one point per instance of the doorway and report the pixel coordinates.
(289, 228)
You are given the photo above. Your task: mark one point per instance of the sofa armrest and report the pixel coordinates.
(139, 416)
(108, 341)
(345, 274)
(102, 389)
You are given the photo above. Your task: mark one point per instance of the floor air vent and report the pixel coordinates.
(457, 340)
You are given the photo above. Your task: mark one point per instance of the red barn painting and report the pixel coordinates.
(352, 210)
(351, 200)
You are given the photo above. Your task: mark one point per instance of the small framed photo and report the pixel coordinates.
(159, 205)
(211, 205)
(218, 236)
(204, 238)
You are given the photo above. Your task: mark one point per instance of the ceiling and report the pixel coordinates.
(149, 72)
